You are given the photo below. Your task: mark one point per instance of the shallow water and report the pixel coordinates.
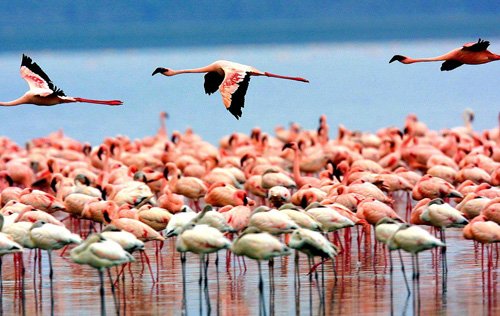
(362, 287)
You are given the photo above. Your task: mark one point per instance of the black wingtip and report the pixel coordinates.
(398, 58)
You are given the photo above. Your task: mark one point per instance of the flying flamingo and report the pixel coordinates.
(473, 53)
(230, 78)
(43, 92)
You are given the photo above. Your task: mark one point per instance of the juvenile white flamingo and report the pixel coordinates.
(259, 246)
(100, 253)
(7, 245)
(473, 53)
(230, 78)
(43, 92)
(413, 239)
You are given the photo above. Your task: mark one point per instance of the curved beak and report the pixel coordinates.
(158, 70)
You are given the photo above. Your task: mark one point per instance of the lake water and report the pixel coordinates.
(350, 82)
(363, 285)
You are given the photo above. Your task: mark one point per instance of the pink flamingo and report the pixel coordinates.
(43, 91)
(473, 53)
(230, 78)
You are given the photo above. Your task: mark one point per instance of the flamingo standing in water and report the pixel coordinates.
(230, 78)
(473, 53)
(43, 92)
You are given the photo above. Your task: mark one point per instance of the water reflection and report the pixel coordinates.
(367, 283)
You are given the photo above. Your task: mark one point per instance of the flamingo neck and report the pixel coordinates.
(296, 166)
(173, 72)
(21, 100)
(173, 179)
(410, 60)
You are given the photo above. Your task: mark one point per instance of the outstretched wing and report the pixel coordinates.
(37, 79)
(478, 46)
(450, 65)
(233, 90)
(212, 81)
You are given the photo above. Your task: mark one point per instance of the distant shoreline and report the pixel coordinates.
(189, 34)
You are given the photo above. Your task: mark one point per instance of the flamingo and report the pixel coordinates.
(50, 237)
(230, 78)
(300, 217)
(100, 253)
(443, 215)
(259, 246)
(384, 230)
(43, 91)
(473, 53)
(272, 221)
(7, 245)
(413, 239)
(278, 195)
(313, 244)
(200, 239)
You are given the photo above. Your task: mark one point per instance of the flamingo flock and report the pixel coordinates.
(258, 196)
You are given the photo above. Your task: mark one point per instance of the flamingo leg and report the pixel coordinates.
(296, 283)
(404, 273)
(101, 291)
(1, 287)
(207, 296)
(184, 298)
(262, 309)
(271, 286)
(51, 277)
(443, 251)
(200, 282)
(217, 277)
(115, 300)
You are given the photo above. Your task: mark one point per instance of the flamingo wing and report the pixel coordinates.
(450, 65)
(212, 81)
(37, 79)
(233, 90)
(478, 46)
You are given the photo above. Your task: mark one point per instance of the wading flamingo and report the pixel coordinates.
(230, 78)
(413, 239)
(200, 239)
(43, 92)
(100, 253)
(259, 246)
(473, 53)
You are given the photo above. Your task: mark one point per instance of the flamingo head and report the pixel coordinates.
(160, 70)
(399, 58)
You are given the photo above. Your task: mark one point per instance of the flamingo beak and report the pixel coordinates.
(398, 58)
(287, 145)
(158, 70)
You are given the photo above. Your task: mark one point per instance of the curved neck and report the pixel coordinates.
(173, 178)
